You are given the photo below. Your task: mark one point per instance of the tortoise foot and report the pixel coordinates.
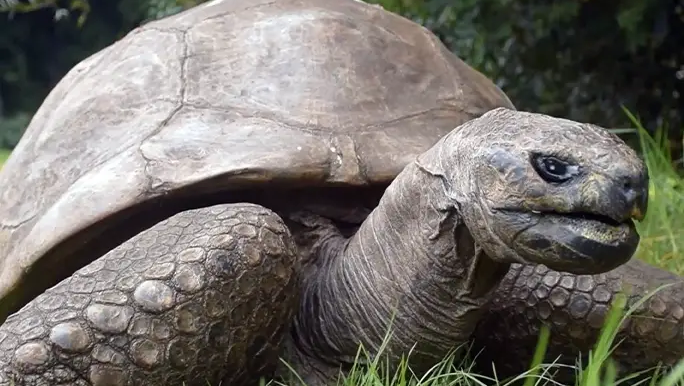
(574, 307)
(202, 297)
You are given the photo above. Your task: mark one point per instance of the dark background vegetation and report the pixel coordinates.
(584, 60)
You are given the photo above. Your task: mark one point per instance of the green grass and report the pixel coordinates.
(662, 232)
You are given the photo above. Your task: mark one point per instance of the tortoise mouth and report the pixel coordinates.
(600, 229)
(585, 217)
(577, 242)
(577, 218)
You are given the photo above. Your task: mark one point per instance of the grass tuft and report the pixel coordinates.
(662, 232)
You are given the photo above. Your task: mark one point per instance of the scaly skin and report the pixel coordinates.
(201, 297)
(405, 276)
(574, 307)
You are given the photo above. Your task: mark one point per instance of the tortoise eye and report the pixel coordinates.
(553, 169)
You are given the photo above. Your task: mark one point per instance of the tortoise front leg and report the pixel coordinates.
(201, 297)
(574, 307)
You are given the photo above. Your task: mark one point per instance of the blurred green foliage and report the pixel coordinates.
(577, 59)
(583, 60)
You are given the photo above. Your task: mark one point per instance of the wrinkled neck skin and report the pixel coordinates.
(412, 266)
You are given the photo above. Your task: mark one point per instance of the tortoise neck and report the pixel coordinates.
(412, 266)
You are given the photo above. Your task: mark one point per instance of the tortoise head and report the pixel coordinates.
(538, 189)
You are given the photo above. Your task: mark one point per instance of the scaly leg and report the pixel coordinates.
(574, 307)
(201, 297)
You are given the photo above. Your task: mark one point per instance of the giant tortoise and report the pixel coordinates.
(255, 180)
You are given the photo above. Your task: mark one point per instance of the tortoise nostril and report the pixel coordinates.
(633, 186)
(634, 192)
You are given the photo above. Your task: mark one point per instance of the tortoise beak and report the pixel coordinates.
(638, 200)
(638, 213)
(630, 198)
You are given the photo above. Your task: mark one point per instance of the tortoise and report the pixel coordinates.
(254, 180)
